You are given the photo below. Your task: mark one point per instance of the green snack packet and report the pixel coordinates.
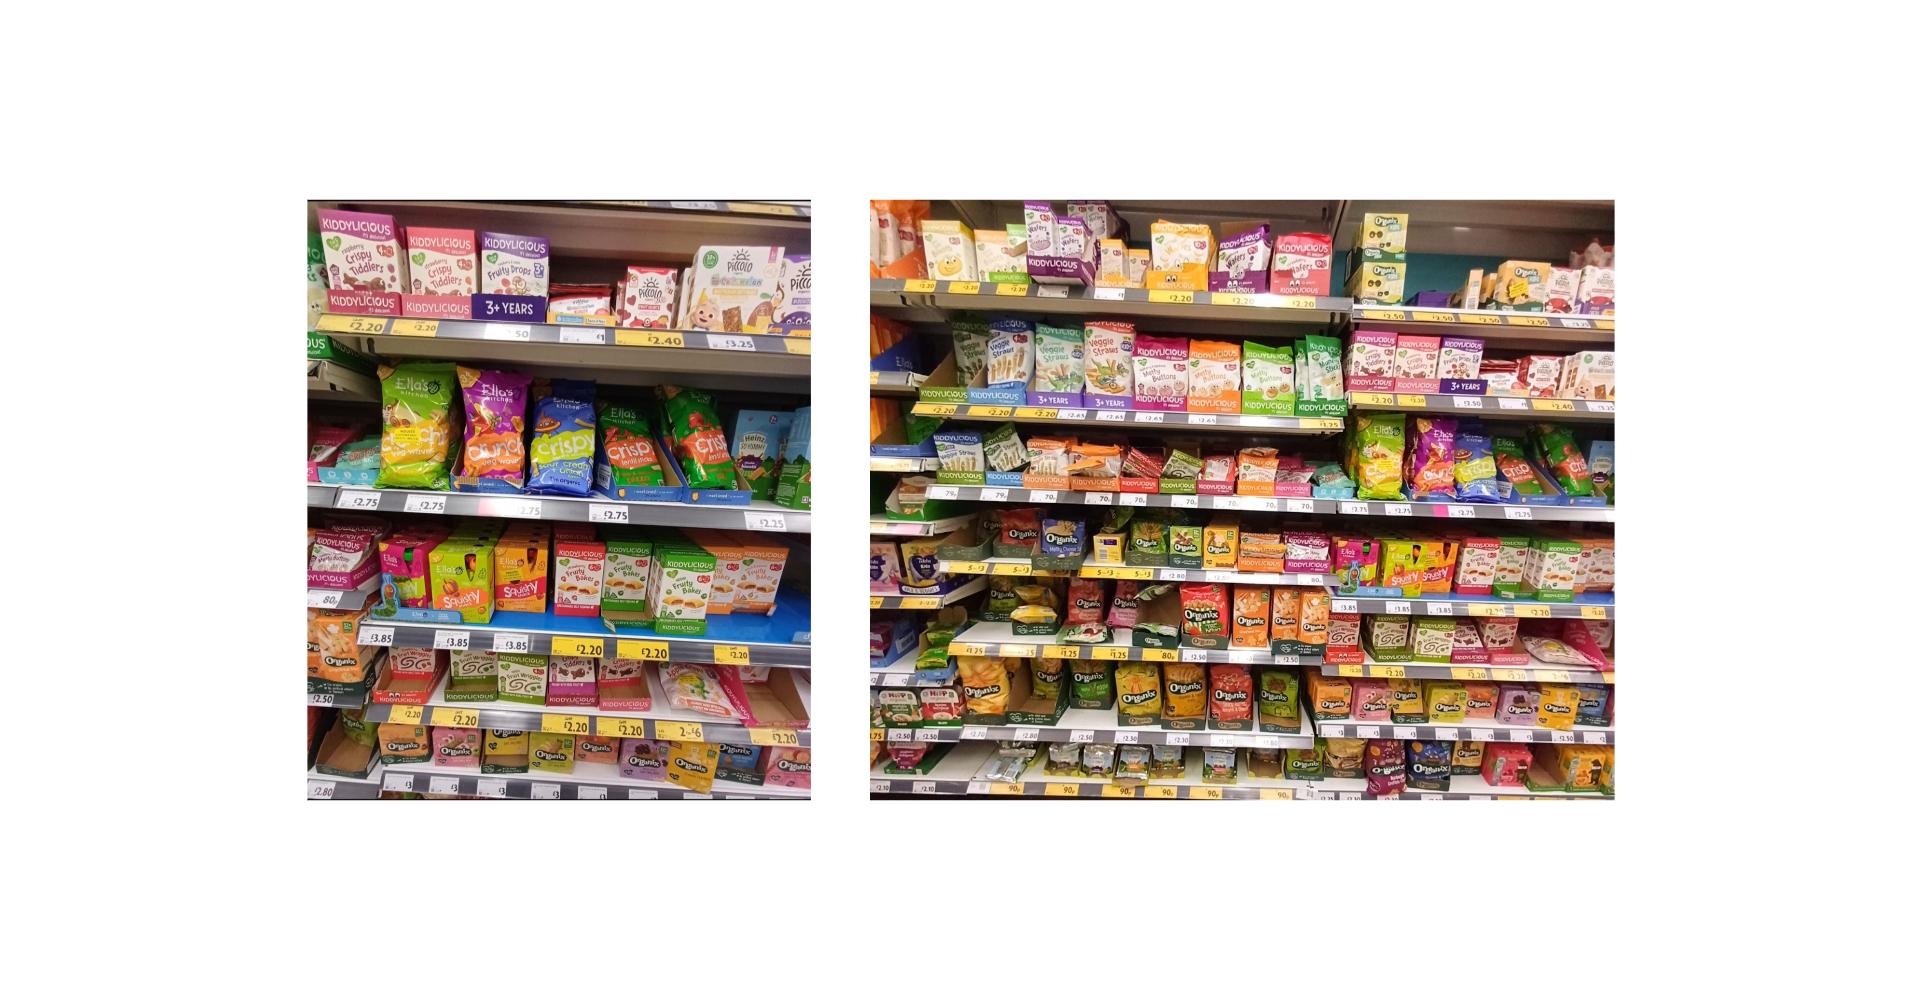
(1375, 453)
(940, 635)
(1515, 468)
(1059, 355)
(1092, 684)
(1560, 453)
(1148, 538)
(697, 437)
(1004, 451)
(1117, 520)
(1001, 599)
(1180, 465)
(627, 455)
(1049, 673)
(933, 658)
(1266, 383)
(417, 425)
(969, 347)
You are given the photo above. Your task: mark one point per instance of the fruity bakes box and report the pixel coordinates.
(514, 265)
(680, 585)
(579, 568)
(409, 676)
(629, 562)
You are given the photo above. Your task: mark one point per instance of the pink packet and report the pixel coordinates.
(1124, 611)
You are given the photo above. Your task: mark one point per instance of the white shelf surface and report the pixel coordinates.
(1102, 725)
(1092, 571)
(586, 781)
(918, 529)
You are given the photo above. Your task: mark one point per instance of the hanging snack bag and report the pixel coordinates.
(496, 411)
(627, 453)
(1386, 768)
(697, 437)
(416, 425)
(1474, 472)
(562, 449)
(1515, 469)
(1557, 447)
(1374, 458)
(1430, 458)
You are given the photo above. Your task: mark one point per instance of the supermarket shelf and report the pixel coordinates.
(660, 723)
(1460, 787)
(1514, 407)
(1499, 329)
(587, 781)
(1291, 505)
(894, 383)
(1101, 725)
(356, 598)
(1538, 671)
(1024, 567)
(1594, 606)
(614, 230)
(878, 463)
(332, 786)
(782, 639)
(567, 344)
(900, 673)
(756, 516)
(1079, 301)
(1084, 417)
(910, 602)
(950, 776)
(884, 526)
(330, 380)
(997, 639)
(1037, 783)
(1484, 730)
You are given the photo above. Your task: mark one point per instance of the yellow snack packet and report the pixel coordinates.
(1137, 686)
(985, 681)
(691, 765)
(1559, 704)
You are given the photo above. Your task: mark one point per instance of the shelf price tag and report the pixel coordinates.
(735, 655)
(1016, 649)
(1593, 611)
(1554, 405)
(1409, 399)
(391, 782)
(1177, 298)
(1353, 506)
(1061, 652)
(607, 513)
(1593, 736)
(1532, 611)
(1043, 496)
(593, 793)
(1489, 611)
(1186, 500)
(447, 639)
(492, 788)
(1562, 736)
(649, 338)
(1113, 791)
(320, 700)
(613, 727)
(1461, 510)
(1466, 403)
(717, 342)
(1393, 670)
(998, 412)
(319, 789)
(544, 791)
(364, 325)
(1110, 652)
(1398, 509)
(691, 732)
(1372, 398)
(918, 286)
(1229, 299)
(1350, 670)
(934, 409)
(1439, 607)
(958, 648)
(1468, 673)
(1160, 791)
(357, 500)
(963, 288)
(573, 645)
(425, 503)
(443, 786)
(1367, 732)
(577, 725)
(1015, 289)
(976, 568)
(1007, 788)
(1035, 413)
(405, 715)
(900, 735)
(1179, 739)
(1110, 416)
(640, 649)
(462, 718)
(1125, 736)
(1159, 655)
(1100, 498)
(773, 737)
(992, 493)
(1399, 607)
(925, 788)
(1204, 792)
(1149, 417)
(1063, 788)
(323, 598)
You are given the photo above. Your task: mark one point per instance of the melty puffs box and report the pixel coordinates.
(732, 290)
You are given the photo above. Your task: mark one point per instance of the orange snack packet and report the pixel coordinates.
(1262, 552)
(1315, 605)
(1251, 607)
(1213, 377)
(1285, 622)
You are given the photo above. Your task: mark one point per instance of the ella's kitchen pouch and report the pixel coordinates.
(416, 425)
(701, 444)
(1374, 460)
(1515, 468)
(1473, 469)
(496, 411)
(1430, 458)
(1562, 455)
(627, 449)
(562, 449)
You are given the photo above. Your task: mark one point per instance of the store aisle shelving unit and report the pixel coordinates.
(590, 242)
(1462, 233)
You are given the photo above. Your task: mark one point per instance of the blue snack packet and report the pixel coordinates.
(1429, 764)
(1475, 476)
(561, 453)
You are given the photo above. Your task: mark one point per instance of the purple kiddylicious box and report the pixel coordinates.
(513, 265)
(1071, 262)
(1243, 258)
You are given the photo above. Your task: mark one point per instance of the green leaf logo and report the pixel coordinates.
(711, 260)
(420, 260)
(333, 242)
(493, 258)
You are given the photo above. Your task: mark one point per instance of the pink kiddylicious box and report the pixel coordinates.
(362, 252)
(1370, 361)
(1416, 364)
(1159, 373)
(1474, 572)
(791, 767)
(442, 262)
(570, 681)
(623, 685)
(1308, 552)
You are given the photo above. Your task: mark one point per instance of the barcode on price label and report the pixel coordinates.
(607, 513)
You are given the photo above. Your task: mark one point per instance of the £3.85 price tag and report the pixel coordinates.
(511, 642)
(447, 639)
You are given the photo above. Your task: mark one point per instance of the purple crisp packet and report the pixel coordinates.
(494, 446)
(1245, 253)
(1069, 238)
(1429, 465)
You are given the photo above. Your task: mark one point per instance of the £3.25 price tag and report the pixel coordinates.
(719, 342)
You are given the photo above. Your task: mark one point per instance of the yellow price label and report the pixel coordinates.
(1468, 673)
(966, 649)
(963, 288)
(1393, 670)
(1532, 611)
(463, 718)
(1508, 674)
(991, 411)
(678, 732)
(636, 729)
(578, 725)
(1554, 405)
(1432, 317)
(1178, 298)
(1204, 793)
(919, 603)
(1110, 652)
(1351, 670)
(1116, 791)
(873, 378)
(877, 735)
(1489, 611)
(735, 655)
(405, 715)
(1230, 299)
(1016, 649)
(1061, 652)
(571, 645)
(1482, 320)
(934, 409)
(1281, 794)
(1373, 398)
(649, 338)
(414, 327)
(1606, 677)
(1006, 788)
(1035, 413)
(1603, 324)
(1591, 611)
(1063, 788)
(1320, 423)
(1299, 302)
(331, 323)
(1013, 288)
(1552, 676)
(1159, 655)
(773, 737)
(1116, 572)
(1014, 569)
(798, 345)
(640, 649)
(1394, 314)
(919, 286)
(1526, 321)
(976, 568)
(1161, 792)
(876, 602)
(1412, 400)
